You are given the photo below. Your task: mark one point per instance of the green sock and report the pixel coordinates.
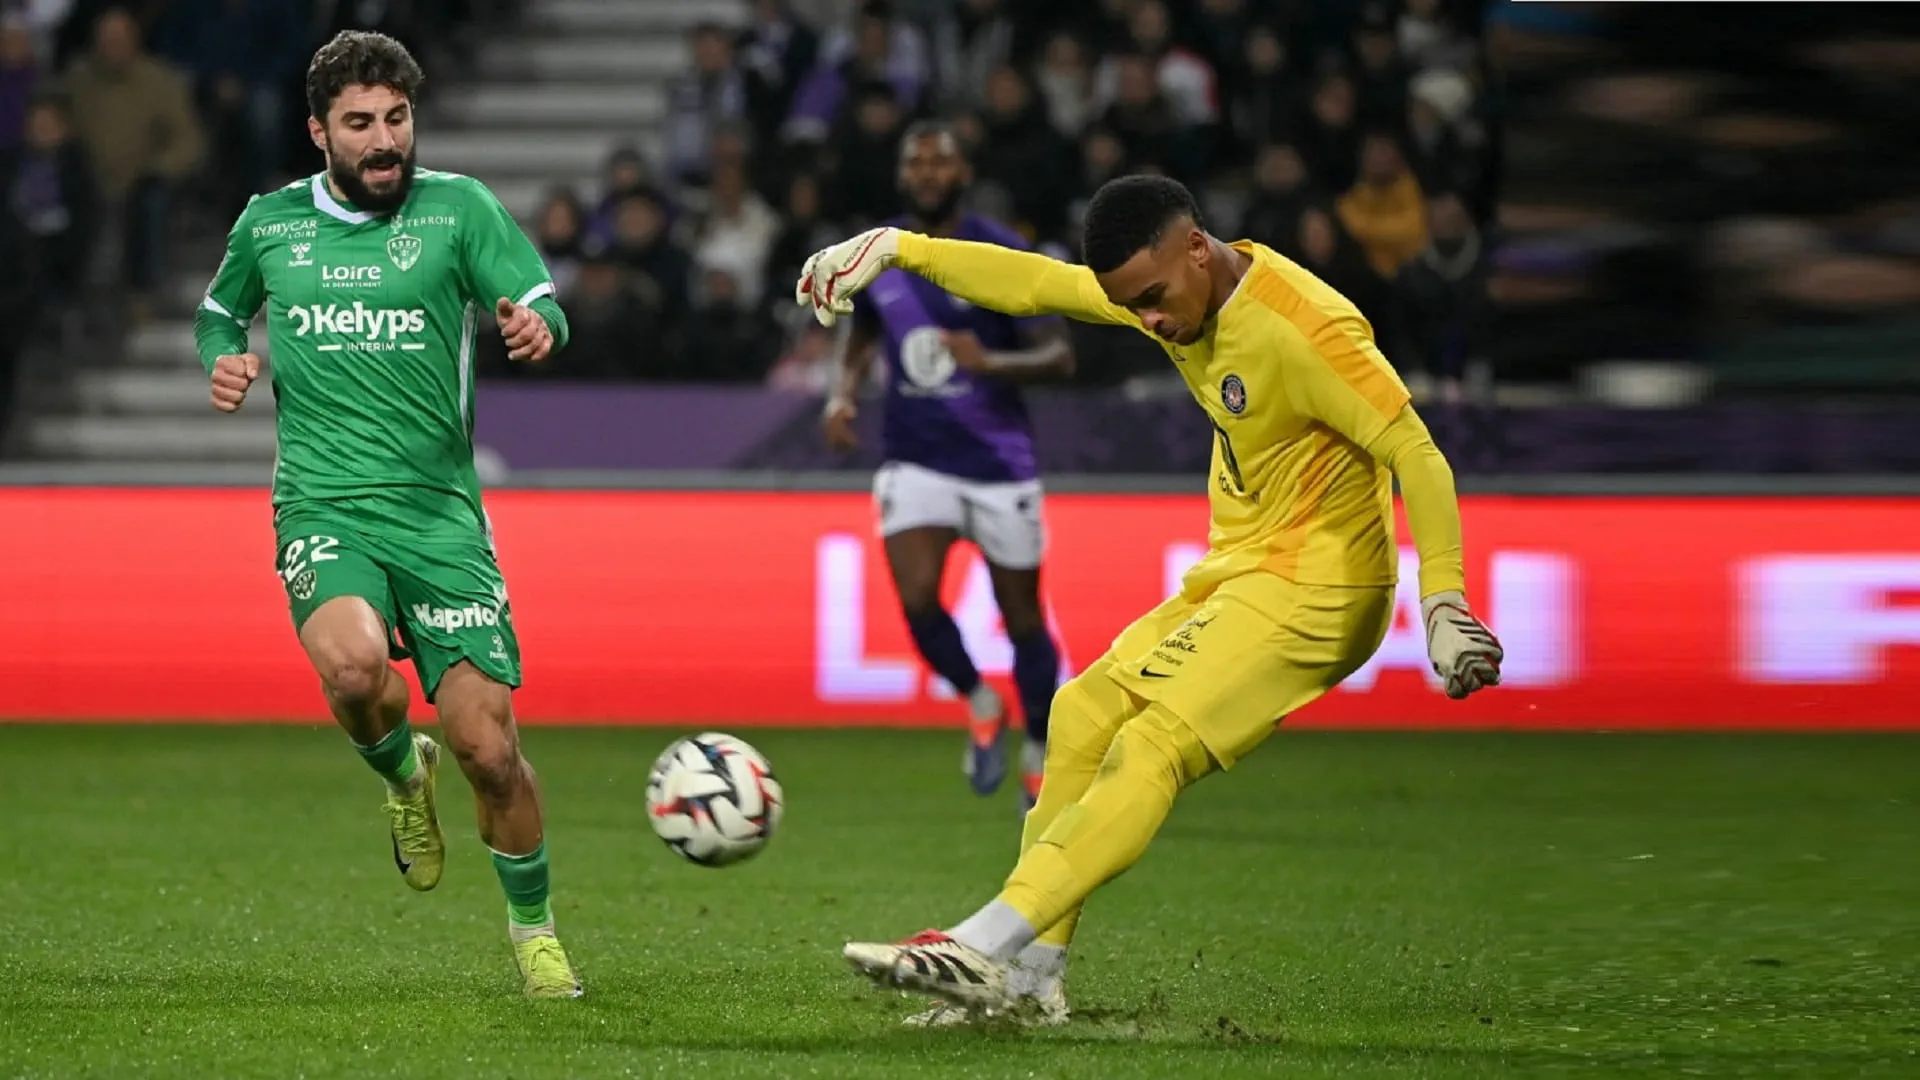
(524, 879)
(393, 757)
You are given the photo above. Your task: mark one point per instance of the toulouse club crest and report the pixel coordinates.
(1233, 394)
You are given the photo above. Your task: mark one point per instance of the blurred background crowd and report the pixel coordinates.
(1532, 203)
(1363, 141)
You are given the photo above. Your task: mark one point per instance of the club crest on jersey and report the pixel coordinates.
(1233, 394)
(404, 250)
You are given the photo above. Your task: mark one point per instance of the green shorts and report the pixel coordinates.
(443, 598)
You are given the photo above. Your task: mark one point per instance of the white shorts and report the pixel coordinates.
(1002, 520)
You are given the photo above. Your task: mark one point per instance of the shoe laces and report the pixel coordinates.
(546, 960)
(410, 822)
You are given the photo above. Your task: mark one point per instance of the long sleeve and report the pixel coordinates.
(237, 291)
(501, 261)
(1011, 282)
(1345, 383)
(1433, 508)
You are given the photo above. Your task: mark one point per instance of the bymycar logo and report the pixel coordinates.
(293, 230)
(371, 329)
(342, 277)
(457, 618)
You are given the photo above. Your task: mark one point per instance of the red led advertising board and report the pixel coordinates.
(760, 608)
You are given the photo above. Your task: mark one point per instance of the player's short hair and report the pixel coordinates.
(360, 58)
(932, 129)
(1129, 213)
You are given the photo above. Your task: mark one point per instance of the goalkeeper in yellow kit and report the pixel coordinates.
(1296, 591)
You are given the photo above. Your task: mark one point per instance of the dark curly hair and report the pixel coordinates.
(360, 58)
(1129, 213)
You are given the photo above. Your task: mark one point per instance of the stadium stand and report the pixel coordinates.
(1535, 204)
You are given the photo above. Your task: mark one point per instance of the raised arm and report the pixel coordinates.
(987, 275)
(1008, 281)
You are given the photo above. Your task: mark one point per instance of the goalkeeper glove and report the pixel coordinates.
(833, 275)
(1464, 652)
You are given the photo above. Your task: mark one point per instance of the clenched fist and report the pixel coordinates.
(232, 375)
(1464, 652)
(527, 335)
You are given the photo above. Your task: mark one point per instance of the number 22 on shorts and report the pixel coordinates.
(298, 560)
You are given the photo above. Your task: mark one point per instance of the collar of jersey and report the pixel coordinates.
(324, 201)
(1254, 266)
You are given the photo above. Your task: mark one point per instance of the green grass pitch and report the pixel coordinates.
(220, 903)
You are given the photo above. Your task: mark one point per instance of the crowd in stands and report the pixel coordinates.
(1683, 188)
(1359, 139)
(1619, 181)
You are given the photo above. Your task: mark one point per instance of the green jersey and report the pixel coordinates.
(371, 324)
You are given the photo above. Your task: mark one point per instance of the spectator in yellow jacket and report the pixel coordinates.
(1385, 210)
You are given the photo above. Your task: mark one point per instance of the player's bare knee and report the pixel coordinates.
(1017, 594)
(495, 776)
(920, 602)
(355, 676)
(491, 765)
(1022, 623)
(345, 640)
(477, 715)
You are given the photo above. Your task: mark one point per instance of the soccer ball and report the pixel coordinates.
(713, 799)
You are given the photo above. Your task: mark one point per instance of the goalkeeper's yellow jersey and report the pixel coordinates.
(1308, 417)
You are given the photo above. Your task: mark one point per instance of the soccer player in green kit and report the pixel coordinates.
(373, 277)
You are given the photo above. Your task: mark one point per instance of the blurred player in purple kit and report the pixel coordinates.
(959, 457)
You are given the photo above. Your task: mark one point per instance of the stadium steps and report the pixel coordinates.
(587, 58)
(487, 154)
(155, 394)
(633, 18)
(245, 436)
(168, 344)
(512, 105)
